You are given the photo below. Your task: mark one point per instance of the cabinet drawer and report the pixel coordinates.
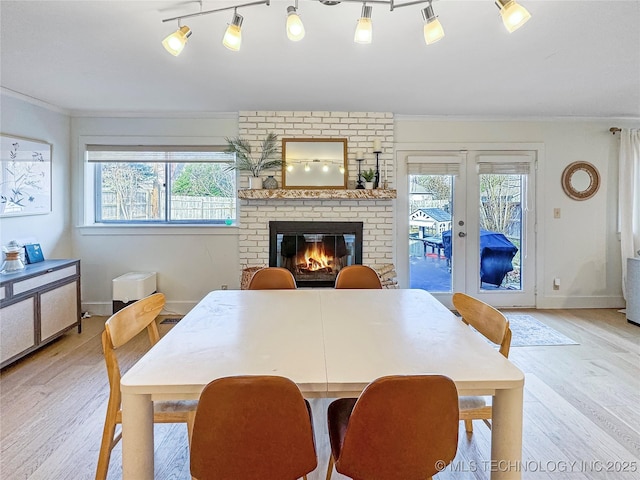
(17, 328)
(35, 282)
(58, 310)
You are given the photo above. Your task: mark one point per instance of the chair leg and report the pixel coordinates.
(190, 419)
(105, 449)
(330, 467)
(487, 422)
(468, 426)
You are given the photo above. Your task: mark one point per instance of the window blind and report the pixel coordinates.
(434, 165)
(506, 168)
(157, 153)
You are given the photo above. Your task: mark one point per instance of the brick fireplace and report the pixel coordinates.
(375, 212)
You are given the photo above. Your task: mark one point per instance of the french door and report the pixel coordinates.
(471, 224)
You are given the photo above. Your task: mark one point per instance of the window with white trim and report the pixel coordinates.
(163, 184)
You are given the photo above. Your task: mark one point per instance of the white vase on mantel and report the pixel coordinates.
(368, 185)
(255, 183)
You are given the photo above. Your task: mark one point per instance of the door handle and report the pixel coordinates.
(462, 234)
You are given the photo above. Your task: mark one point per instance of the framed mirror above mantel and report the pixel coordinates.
(314, 163)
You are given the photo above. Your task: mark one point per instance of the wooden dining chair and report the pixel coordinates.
(252, 427)
(495, 327)
(119, 329)
(358, 276)
(272, 278)
(400, 428)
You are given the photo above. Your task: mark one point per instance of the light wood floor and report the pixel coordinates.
(582, 405)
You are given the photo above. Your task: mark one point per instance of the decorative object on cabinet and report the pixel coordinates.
(580, 180)
(34, 253)
(268, 158)
(314, 163)
(25, 166)
(37, 305)
(12, 261)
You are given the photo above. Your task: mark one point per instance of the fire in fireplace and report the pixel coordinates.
(315, 251)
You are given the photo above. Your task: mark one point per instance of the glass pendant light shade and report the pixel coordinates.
(233, 36)
(513, 15)
(175, 42)
(364, 30)
(433, 30)
(295, 28)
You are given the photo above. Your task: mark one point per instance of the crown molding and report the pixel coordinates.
(154, 114)
(34, 101)
(511, 118)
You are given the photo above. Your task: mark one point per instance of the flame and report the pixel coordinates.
(315, 257)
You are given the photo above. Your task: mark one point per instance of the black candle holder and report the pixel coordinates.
(360, 186)
(376, 180)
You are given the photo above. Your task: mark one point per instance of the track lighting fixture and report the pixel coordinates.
(233, 36)
(433, 30)
(513, 14)
(175, 42)
(295, 28)
(364, 30)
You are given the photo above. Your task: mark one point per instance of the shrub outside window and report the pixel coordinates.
(163, 184)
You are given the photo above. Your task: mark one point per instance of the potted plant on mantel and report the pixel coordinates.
(269, 157)
(368, 176)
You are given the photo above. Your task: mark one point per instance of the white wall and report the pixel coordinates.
(189, 261)
(582, 247)
(51, 231)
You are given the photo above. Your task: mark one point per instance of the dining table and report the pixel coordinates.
(331, 343)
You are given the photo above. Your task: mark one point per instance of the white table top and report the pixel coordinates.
(330, 342)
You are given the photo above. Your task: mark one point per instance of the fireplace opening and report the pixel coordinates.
(315, 251)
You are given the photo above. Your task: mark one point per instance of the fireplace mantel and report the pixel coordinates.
(320, 194)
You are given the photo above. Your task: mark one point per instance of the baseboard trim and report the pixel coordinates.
(613, 301)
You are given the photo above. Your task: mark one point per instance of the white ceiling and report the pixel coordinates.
(573, 58)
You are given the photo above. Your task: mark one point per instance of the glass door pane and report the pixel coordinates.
(500, 236)
(430, 220)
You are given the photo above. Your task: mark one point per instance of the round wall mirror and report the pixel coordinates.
(580, 180)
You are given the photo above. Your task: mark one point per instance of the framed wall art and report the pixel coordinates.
(25, 176)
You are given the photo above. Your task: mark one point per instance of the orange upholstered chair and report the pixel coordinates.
(401, 428)
(272, 278)
(495, 327)
(358, 276)
(252, 427)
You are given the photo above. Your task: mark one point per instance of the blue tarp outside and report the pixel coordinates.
(496, 253)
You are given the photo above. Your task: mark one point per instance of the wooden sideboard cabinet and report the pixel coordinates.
(37, 305)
